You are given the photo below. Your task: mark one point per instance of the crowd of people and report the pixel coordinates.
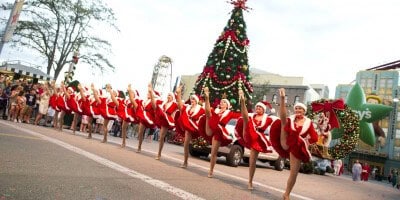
(290, 135)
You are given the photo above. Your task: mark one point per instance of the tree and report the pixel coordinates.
(57, 28)
(227, 67)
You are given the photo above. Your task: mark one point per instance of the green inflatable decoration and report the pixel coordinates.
(367, 113)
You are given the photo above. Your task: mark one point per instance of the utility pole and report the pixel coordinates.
(12, 23)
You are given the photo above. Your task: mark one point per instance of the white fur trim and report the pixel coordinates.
(301, 105)
(262, 106)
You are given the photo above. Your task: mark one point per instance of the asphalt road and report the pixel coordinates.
(42, 163)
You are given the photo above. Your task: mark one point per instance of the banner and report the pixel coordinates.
(13, 20)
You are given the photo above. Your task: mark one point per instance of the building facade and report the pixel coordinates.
(266, 87)
(384, 84)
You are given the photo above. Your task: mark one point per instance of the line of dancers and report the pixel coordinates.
(289, 135)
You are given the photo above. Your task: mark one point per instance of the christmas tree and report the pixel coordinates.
(227, 67)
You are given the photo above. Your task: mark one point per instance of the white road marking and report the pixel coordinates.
(132, 173)
(232, 176)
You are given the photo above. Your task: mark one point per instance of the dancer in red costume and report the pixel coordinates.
(189, 117)
(73, 100)
(145, 110)
(179, 135)
(297, 132)
(216, 133)
(86, 101)
(125, 112)
(92, 104)
(62, 105)
(53, 102)
(250, 130)
(107, 110)
(165, 119)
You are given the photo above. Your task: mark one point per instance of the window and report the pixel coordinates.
(369, 83)
(274, 97)
(296, 99)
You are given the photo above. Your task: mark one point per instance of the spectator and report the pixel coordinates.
(337, 166)
(99, 124)
(44, 99)
(390, 176)
(366, 170)
(3, 103)
(356, 170)
(84, 123)
(50, 116)
(13, 94)
(30, 105)
(2, 81)
(19, 108)
(395, 179)
(373, 172)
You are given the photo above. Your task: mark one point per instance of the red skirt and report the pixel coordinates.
(252, 139)
(61, 104)
(53, 102)
(162, 119)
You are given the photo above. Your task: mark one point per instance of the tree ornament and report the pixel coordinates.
(228, 76)
(233, 101)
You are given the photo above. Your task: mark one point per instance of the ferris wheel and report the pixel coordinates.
(161, 80)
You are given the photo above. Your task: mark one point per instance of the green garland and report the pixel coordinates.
(199, 143)
(348, 127)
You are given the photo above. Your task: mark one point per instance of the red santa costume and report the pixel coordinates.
(125, 110)
(108, 107)
(190, 119)
(53, 101)
(74, 101)
(93, 105)
(217, 123)
(298, 138)
(165, 113)
(62, 103)
(179, 130)
(255, 137)
(146, 113)
(85, 102)
(365, 172)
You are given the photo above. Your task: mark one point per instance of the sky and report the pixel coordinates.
(326, 42)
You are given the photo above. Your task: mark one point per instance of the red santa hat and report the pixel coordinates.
(264, 105)
(172, 95)
(71, 89)
(195, 97)
(301, 105)
(227, 102)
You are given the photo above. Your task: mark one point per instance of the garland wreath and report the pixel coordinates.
(199, 143)
(349, 129)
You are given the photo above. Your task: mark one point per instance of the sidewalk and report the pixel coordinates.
(348, 176)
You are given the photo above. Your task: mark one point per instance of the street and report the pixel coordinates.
(42, 163)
